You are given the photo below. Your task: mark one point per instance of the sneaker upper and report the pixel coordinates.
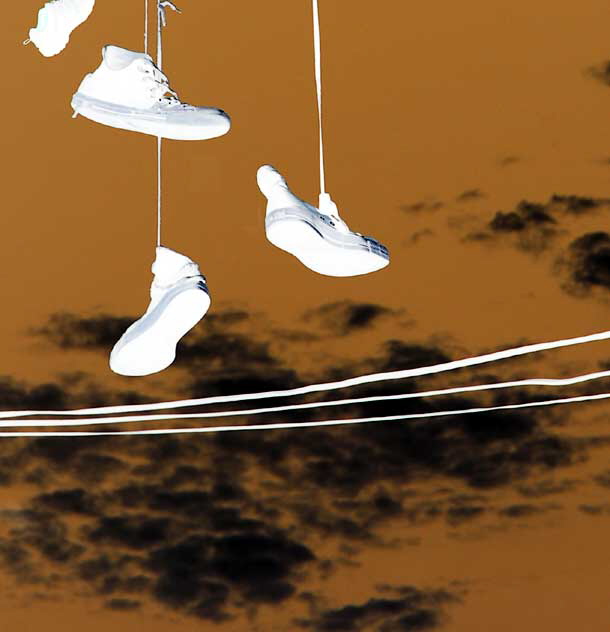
(126, 78)
(274, 187)
(56, 20)
(169, 268)
(132, 79)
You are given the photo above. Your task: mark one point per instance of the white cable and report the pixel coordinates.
(307, 424)
(146, 26)
(277, 409)
(329, 386)
(318, 76)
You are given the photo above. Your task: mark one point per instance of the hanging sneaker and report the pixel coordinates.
(56, 20)
(179, 299)
(128, 91)
(318, 238)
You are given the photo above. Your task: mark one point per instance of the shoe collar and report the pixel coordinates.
(117, 58)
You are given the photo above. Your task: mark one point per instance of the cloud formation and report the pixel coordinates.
(587, 263)
(342, 318)
(213, 528)
(406, 609)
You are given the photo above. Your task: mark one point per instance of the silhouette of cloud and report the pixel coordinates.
(122, 604)
(344, 317)
(524, 510)
(546, 488)
(470, 195)
(422, 206)
(66, 501)
(533, 226)
(603, 479)
(181, 522)
(409, 609)
(587, 262)
(506, 161)
(601, 72)
(69, 331)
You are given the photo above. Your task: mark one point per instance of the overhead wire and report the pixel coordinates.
(371, 378)
(306, 424)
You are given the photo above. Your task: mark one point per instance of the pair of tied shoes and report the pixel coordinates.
(179, 294)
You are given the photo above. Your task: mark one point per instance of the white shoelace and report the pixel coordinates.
(159, 84)
(318, 76)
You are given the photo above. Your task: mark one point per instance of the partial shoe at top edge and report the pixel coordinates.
(317, 237)
(128, 91)
(179, 300)
(56, 20)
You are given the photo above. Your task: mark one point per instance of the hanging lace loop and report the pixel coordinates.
(162, 6)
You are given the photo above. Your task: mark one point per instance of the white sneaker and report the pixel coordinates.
(56, 20)
(318, 238)
(179, 299)
(128, 91)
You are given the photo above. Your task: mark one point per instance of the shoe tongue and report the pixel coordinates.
(117, 58)
(170, 266)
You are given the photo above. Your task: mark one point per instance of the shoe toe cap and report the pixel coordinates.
(267, 177)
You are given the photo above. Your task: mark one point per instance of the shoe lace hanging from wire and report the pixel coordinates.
(163, 84)
(325, 204)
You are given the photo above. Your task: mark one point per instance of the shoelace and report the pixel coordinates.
(160, 88)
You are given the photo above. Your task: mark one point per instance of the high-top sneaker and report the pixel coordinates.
(128, 91)
(179, 299)
(317, 237)
(56, 20)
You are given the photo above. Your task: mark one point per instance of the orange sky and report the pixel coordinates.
(422, 103)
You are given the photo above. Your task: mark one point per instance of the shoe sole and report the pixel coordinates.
(312, 239)
(151, 123)
(149, 345)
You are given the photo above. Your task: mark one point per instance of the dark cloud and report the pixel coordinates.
(398, 355)
(69, 331)
(345, 317)
(76, 501)
(219, 526)
(46, 534)
(43, 396)
(506, 161)
(130, 531)
(423, 206)
(470, 195)
(603, 479)
(546, 488)
(601, 72)
(122, 604)
(408, 609)
(596, 510)
(532, 225)
(196, 573)
(577, 204)
(587, 262)
(519, 511)
(460, 515)
(419, 235)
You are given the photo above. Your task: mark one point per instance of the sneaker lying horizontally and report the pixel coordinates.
(179, 300)
(128, 91)
(56, 20)
(318, 238)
